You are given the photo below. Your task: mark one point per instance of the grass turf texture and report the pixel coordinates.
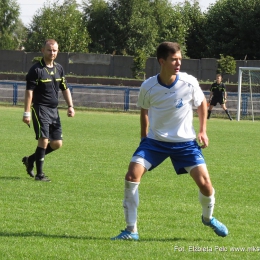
(74, 216)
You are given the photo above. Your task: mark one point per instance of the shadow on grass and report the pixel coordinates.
(175, 239)
(40, 234)
(10, 178)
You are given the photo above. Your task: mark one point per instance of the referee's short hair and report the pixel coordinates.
(50, 41)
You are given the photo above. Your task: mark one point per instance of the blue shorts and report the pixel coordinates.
(182, 154)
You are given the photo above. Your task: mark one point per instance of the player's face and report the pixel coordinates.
(172, 64)
(218, 79)
(50, 51)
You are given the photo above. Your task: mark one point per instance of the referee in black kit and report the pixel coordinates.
(218, 94)
(43, 82)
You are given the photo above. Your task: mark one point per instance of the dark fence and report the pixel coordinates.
(104, 65)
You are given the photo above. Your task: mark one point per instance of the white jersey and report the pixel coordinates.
(170, 108)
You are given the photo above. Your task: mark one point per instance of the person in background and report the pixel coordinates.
(166, 101)
(43, 82)
(218, 94)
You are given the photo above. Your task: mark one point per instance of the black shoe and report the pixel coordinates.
(41, 177)
(29, 168)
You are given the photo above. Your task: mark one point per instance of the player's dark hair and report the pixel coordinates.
(166, 48)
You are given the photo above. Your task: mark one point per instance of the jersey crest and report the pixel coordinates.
(178, 103)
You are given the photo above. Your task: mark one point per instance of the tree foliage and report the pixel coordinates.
(62, 22)
(141, 27)
(136, 27)
(9, 22)
(98, 21)
(226, 65)
(20, 34)
(139, 64)
(169, 22)
(232, 28)
(132, 27)
(193, 20)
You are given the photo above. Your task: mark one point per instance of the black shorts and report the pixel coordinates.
(46, 122)
(219, 100)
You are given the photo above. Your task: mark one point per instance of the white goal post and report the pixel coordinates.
(248, 103)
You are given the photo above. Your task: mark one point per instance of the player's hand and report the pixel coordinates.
(203, 140)
(71, 112)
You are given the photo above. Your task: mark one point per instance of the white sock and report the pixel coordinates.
(130, 204)
(207, 204)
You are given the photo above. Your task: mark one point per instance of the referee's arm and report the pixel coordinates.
(67, 96)
(28, 100)
(27, 106)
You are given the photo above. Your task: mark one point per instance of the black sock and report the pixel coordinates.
(227, 112)
(209, 113)
(39, 159)
(49, 149)
(31, 158)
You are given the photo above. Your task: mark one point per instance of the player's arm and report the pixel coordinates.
(67, 96)
(225, 98)
(202, 113)
(210, 96)
(225, 93)
(27, 106)
(144, 122)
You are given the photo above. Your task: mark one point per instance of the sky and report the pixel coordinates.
(29, 7)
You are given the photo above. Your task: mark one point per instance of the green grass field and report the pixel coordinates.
(74, 216)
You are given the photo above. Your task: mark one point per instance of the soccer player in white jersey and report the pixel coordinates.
(166, 101)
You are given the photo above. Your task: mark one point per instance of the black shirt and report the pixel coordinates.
(218, 90)
(45, 83)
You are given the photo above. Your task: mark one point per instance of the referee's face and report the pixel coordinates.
(50, 52)
(218, 79)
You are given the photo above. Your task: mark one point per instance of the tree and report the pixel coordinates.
(232, 28)
(20, 33)
(9, 20)
(62, 22)
(169, 23)
(139, 64)
(193, 20)
(98, 21)
(226, 65)
(134, 27)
